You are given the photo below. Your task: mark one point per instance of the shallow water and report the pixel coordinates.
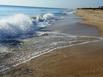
(13, 55)
(71, 24)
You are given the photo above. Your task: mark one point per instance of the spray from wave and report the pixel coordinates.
(16, 25)
(20, 25)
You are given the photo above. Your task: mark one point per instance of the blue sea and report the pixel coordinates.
(6, 10)
(21, 21)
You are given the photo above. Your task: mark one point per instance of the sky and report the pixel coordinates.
(54, 3)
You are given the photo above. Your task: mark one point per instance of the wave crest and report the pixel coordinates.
(16, 25)
(45, 19)
(19, 25)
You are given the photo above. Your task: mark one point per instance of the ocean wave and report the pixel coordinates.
(18, 25)
(44, 20)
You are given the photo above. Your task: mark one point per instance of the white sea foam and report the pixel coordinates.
(19, 24)
(16, 24)
(44, 20)
(48, 16)
(3, 49)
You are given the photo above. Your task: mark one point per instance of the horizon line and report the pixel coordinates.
(30, 6)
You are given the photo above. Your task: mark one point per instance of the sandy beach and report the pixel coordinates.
(92, 17)
(76, 61)
(82, 60)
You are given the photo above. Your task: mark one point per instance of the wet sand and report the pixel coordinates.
(92, 17)
(76, 61)
(72, 25)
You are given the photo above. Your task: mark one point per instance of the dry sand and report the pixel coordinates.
(76, 61)
(92, 17)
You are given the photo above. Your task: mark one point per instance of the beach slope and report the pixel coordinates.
(75, 61)
(92, 17)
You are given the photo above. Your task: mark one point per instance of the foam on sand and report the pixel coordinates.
(36, 46)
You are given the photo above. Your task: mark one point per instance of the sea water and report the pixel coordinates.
(22, 21)
(31, 11)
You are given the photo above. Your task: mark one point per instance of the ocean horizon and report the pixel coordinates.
(7, 10)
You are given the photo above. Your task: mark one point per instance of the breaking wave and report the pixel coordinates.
(16, 26)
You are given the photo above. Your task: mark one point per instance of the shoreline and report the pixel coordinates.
(46, 51)
(43, 53)
(34, 63)
(72, 25)
(92, 17)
